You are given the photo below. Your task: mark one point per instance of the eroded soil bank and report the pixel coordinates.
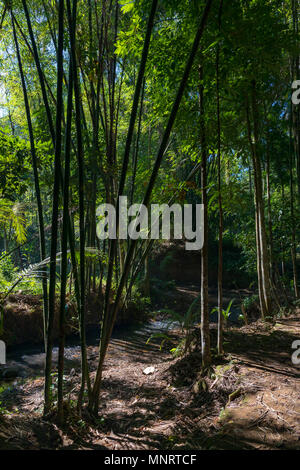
(23, 317)
(250, 400)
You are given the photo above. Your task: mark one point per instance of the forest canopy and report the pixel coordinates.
(161, 101)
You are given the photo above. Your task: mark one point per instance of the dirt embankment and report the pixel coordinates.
(23, 317)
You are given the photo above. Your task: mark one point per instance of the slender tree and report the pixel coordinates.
(64, 250)
(55, 204)
(36, 180)
(205, 336)
(94, 405)
(80, 160)
(220, 248)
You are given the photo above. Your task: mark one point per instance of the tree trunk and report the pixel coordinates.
(37, 187)
(205, 336)
(269, 210)
(220, 247)
(64, 248)
(293, 227)
(54, 227)
(264, 286)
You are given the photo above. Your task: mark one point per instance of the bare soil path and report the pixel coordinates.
(251, 400)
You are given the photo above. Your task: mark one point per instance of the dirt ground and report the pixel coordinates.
(249, 400)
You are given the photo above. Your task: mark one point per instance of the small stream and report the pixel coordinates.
(27, 360)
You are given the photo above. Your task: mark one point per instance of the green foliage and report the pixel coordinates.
(226, 313)
(5, 388)
(250, 301)
(14, 167)
(186, 323)
(164, 337)
(8, 272)
(158, 288)
(257, 44)
(12, 214)
(166, 262)
(139, 301)
(28, 280)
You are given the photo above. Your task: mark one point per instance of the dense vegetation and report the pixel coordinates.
(162, 101)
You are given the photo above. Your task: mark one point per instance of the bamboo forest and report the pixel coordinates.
(149, 227)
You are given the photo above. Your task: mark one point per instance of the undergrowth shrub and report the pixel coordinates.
(9, 273)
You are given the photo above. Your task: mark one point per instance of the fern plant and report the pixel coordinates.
(186, 323)
(226, 313)
(13, 213)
